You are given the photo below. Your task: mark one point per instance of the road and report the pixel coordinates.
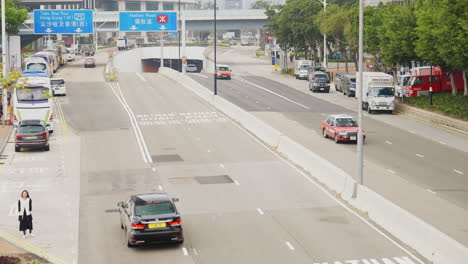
(240, 202)
(432, 165)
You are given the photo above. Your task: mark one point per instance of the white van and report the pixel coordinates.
(58, 86)
(378, 92)
(52, 60)
(34, 101)
(36, 63)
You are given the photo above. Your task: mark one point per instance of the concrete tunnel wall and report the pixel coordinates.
(131, 60)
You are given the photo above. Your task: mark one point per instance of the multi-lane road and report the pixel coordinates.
(240, 202)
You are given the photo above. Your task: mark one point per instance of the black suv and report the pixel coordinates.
(31, 134)
(150, 218)
(319, 82)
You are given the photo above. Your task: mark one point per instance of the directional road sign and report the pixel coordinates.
(63, 21)
(148, 21)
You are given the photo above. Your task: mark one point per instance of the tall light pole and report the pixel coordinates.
(4, 59)
(215, 65)
(180, 32)
(360, 160)
(324, 39)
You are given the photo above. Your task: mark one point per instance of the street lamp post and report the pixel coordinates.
(4, 59)
(324, 39)
(360, 161)
(180, 32)
(215, 40)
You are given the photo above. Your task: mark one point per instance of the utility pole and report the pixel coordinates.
(161, 65)
(4, 59)
(360, 161)
(215, 40)
(324, 40)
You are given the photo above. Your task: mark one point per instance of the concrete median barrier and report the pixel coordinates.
(414, 232)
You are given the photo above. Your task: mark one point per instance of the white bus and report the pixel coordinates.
(34, 102)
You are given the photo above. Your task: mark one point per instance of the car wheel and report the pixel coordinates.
(369, 110)
(121, 225)
(128, 242)
(344, 92)
(17, 149)
(336, 139)
(47, 148)
(180, 242)
(324, 133)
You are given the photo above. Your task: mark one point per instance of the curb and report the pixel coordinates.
(427, 240)
(5, 142)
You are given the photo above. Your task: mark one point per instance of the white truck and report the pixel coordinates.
(378, 92)
(122, 44)
(301, 69)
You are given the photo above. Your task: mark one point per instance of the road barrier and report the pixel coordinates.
(421, 236)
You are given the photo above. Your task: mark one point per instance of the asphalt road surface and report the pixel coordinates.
(430, 164)
(240, 202)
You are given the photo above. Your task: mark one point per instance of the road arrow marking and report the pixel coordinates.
(48, 30)
(78, 30)
(163, 27)
(133, 27)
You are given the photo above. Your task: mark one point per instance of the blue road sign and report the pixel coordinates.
(148, 21)
(63, 21)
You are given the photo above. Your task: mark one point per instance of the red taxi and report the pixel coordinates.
(342, 128)
(223, 72)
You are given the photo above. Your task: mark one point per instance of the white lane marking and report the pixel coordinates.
(289, 245)
(431, 191)
(153, 169)
(195, 251)
(457, 171)
(323, 114)
(260, 211)
(326, 192)
(236, 182)
(209, 151)
(221, 165)
(198, 139)
(256, 102)
(185, 251)
(136, 129)
(388, 142)
(412, 132)
(201, 75)
(262, 88)
(419, 155)
(160, 187)
(391, 171)
(443, 143)
(141, 77)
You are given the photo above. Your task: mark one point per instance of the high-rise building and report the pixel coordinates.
(55, 4)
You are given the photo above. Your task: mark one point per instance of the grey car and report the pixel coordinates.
(192, 68)
(32, 134)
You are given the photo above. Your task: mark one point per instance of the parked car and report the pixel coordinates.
(319, 82)
(339, 81)
(314, 69)
(58, 86)
(70, 54)
(150, 218)
(31, 134)
(403, 80)
(349, 85)
(223, 72)
(302, 71)
(191, 68)
(342, 128)
(90, 62)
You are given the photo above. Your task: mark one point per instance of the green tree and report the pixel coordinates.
(260, 4)
(15, 15)
(442, 35)
(333, 22)
(396, 35)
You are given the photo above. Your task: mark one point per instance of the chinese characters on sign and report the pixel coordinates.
(148, 21)
(63, 22)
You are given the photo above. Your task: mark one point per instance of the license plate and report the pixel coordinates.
(157, 225)
(322, 88)
(353, 138)
(31, 137)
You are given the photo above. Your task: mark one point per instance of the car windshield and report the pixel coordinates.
(352, 80)
(382, 91)
(191, 66)
(304, 67)
(89, 59)
(36, 66)
(155, 208)
(321, 76)
(223, 68)
(346, 122)
(57, 82)
(31, 129)
(32, 94)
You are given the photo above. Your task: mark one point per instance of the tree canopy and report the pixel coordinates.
(15, 15)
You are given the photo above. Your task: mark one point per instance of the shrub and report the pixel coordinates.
(445, 103)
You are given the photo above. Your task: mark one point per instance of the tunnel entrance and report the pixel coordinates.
(152, 65)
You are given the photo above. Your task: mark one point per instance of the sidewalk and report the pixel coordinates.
(445, 216)
(10, 254)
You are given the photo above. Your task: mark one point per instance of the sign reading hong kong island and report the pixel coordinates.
(148, 21)
(63, 21)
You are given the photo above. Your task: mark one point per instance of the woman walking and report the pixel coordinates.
(24, 213)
